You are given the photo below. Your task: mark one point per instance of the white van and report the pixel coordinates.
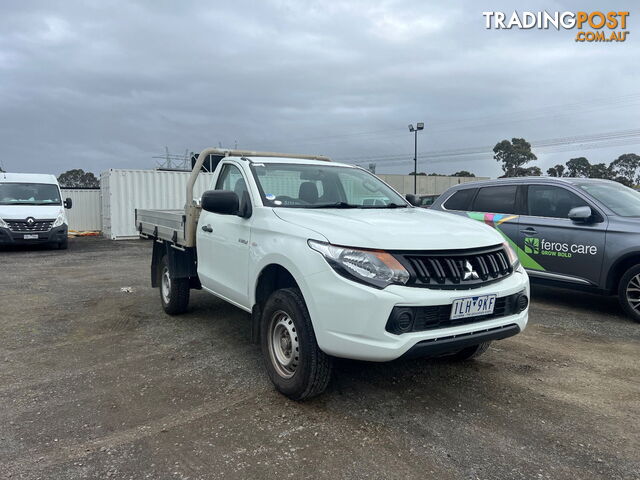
(32, 210)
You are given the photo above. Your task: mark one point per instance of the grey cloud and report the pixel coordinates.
(108, 84)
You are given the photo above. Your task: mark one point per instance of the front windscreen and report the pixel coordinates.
(29, 194)
(318, 186)
(621, 200)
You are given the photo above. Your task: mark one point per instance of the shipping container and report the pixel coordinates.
(123, 191)
(85, 214)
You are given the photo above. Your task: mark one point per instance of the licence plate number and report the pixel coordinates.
(33, 236)
(473, 306)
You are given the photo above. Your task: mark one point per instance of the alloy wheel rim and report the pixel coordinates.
(284, 349)
(633, 293)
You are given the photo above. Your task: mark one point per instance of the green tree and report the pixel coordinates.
(626, 166)
(557, 171)
(513, 155)
(463, 173)
(78, 178)
(600, 170)
(528, 172)
(419, 173)
(578, 167)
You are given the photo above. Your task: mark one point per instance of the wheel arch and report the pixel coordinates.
(618, 268)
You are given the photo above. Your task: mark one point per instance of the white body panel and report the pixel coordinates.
(349, 318)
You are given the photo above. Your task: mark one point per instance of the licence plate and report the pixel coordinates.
(32, 236)
(473, 306)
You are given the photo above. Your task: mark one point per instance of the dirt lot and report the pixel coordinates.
(100, 383)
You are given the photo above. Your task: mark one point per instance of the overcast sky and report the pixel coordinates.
(109, 84)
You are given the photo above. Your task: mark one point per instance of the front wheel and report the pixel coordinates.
(174, 292)
(629, 292)
(296, 365)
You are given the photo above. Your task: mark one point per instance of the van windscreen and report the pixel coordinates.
(29, 194)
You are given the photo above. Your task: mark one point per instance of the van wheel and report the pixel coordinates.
(470, 353)
(174, 292)
(296, 365)
(629, 292)
(63, 245)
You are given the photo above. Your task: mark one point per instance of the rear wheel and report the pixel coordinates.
(296, 365)
(470, 353)
(174, 292)
(629, 292)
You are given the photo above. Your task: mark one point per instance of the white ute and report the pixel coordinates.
(332, 262)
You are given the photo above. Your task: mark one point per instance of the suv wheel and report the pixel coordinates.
(470, 353)
(174, 292)
(629, 292)
(296, 365)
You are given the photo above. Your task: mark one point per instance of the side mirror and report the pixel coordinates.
(68, 203)
(580, 214)
(223, 202)
(412, 199)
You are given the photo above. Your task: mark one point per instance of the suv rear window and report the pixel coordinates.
(501, 199)
(460, 200)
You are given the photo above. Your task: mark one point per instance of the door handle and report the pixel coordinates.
(207, 228)
(529, 231)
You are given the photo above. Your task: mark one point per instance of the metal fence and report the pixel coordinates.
(85, 214)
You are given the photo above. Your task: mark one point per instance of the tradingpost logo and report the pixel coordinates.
(594, 26)
(532, 245)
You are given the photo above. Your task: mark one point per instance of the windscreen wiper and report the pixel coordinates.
(334, 205)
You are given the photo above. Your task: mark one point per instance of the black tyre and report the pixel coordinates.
(470, 353)
(174, 292)
(63, 245)
(629, 292)
(296, 365)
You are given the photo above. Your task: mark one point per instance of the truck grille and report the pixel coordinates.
(459, 269)
(29, 226)
(419, 319)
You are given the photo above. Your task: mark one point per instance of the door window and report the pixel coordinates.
(501, 199)
(551, 201)
(231, 178)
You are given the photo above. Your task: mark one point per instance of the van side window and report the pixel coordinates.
(461, 200)
(550, 201)
(501, 199)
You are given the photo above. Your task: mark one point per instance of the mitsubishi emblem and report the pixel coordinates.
(469, 272)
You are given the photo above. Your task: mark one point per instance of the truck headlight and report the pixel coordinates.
(511, 255)
(373, 267)
(59, 221)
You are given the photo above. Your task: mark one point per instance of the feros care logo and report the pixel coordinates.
(537, 246)
(532, 245)
(602, 27)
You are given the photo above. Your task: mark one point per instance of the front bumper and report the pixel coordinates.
(349, 318)
(55, 235)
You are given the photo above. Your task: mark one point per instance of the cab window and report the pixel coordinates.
(460, 200)
(551, 201)
(500, 199)
(231, 179)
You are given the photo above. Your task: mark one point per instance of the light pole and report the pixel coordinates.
(419, 126)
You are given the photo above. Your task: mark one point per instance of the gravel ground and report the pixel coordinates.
(96, 382)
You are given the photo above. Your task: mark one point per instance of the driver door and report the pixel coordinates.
(223, 244)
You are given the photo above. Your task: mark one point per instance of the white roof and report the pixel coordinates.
(27, 178)
(296, 161)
